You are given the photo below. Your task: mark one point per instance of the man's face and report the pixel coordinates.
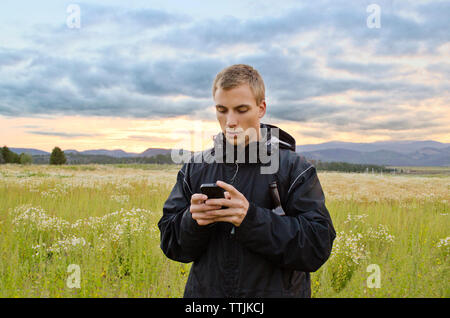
(237, 112)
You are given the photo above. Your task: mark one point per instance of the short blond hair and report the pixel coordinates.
(238, 74)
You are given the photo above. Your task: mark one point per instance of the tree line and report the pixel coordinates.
(350, 167)
(76, 159)
(58, 157)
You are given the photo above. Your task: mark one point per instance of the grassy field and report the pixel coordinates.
(104, 220)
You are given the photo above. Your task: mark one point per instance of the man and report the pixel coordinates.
(244, 249)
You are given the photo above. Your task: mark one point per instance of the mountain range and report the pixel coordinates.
(393, 153)
(389, 153)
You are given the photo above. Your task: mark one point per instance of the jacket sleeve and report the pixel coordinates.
(182, 239)
(301, 240)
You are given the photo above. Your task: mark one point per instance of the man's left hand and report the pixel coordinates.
(236, 203)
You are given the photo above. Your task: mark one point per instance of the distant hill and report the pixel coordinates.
(150, 152)
(30, 151)
(404, 146)
(422, 157)
(116, 153)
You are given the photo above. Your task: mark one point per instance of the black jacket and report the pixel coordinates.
(268, 255)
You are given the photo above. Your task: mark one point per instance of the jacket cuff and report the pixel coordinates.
(251, 220)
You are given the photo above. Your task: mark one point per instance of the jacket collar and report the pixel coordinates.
(272, 139)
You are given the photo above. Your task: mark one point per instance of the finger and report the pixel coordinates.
(230, 219)
(223, 213)
(228, 187)
(222, 202)
(210, 207)
(203, 207)
(227, 195)
(197, 198)
(202, 216)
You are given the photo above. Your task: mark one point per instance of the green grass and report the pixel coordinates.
(122, 258)
(410, 266)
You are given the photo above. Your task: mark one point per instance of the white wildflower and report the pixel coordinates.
(380, 234)
(67, 244)
(112, 227)
(27, 215)
(355, 217)
(445, 242)
(121, 198)
(351, 246)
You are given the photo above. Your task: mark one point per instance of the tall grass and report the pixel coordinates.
(104, 219)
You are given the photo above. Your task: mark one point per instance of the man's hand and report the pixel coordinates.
(235, 201)
(198, 209)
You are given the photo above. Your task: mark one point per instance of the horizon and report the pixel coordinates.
(303, 145)
(108, 75)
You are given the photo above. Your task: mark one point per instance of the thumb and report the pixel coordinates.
(227, 195)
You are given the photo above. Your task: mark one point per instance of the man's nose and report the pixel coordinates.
(231, 121)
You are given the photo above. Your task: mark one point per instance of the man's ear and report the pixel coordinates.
(262, 109)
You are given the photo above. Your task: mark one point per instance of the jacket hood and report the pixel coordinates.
(285, 140)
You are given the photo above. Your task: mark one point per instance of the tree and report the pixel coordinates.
(57, 157)
(25, 159)
(6, 154)
(9, 156)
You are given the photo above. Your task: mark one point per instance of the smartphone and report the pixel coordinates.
(212, 190)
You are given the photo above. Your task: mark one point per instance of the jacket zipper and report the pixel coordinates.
(231, 182)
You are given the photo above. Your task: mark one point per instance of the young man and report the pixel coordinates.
(245, 249)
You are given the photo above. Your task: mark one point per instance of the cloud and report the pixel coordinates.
(29, 126)
(440, 68)
(104, 25)
(54, 85)
(301, 111)
(369, 69)
(400, 32)
(363, 120)
(61, 134)
(316, 134)
(151, 139)
(11, 57)
(150, 63)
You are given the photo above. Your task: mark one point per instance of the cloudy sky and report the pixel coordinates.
(138, 74)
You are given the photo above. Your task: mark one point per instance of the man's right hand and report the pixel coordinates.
(198, 209)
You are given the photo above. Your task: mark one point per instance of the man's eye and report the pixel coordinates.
(221, 110)
(242, 110)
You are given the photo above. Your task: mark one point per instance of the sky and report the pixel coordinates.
(138, 74)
